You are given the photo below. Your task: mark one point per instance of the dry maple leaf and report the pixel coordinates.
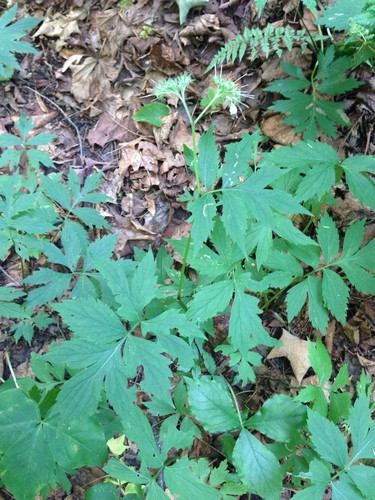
(295, 350)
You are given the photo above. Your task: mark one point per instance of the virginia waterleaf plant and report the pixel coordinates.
(136, 361)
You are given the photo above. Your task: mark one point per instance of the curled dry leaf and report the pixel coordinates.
(279, 132)
(295, 350)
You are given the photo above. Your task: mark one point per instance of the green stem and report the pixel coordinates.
(182, 276)
(235, 404)
(315, 214)
(11, 369)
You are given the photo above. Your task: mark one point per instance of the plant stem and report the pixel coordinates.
(11, 369)
(182, 276)
(235, 404)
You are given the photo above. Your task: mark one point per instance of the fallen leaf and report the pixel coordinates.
(279, 132)
(152, 113)
(295, 350)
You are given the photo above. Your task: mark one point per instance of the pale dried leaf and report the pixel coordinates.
(295, 350)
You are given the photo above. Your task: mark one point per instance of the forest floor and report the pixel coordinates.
(96, 66)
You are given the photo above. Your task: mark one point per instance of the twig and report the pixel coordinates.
(9, 276)
(65, 116)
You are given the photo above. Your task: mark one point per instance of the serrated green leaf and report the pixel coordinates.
(363, 439)
(235, 218)
(210, 301)
(342, 378)
(327, 439)
(316, 394)
(245, 327)
(276, 424)
(29, 445)
(138, 430)
(91, 319)
(208, 158)
(123, 472)
(353, 238)
(339, 406)
(101, 491)
(344, 488)
(91, 217)
(295, 299)
(359, 183)
(304, 154)
(363, 476)
(320, 361)
(157, 374)
(328, 237)
(257, 467)
(212, 405)
(338, 14)
(320, 477)
(181, 482)
(238, 157)
(152, 113)
(317, 312)
(54, 285)
(335, 294)
(203, 210)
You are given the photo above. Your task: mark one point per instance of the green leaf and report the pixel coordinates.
(210, 301)
(337, 15)
(55, 285)
(327, 439)
(363, 476)
(235, 219)
(276, 424)
(157, 374)
(152, 113)
(238, 157)
(9, 33)
(317, 313)
(328, 237)
(91, 319)
(245, 327)
(183, 483)
(359, 182)
(44, 448)
(102, 491)
(257, 467)
(335, 294)
(138, 430)
(295, 299)
(320, 360)
(123, 472)
(363, 439)
(320, 477)
(208, 158)
(185, 5)
(344, 488)
(339, 406)
(212, 405)
(203, 210)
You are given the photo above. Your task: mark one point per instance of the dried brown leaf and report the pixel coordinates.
(295, 350)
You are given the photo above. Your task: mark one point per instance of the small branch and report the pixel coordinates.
(65, 116)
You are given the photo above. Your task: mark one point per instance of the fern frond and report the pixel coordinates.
(256, 41)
